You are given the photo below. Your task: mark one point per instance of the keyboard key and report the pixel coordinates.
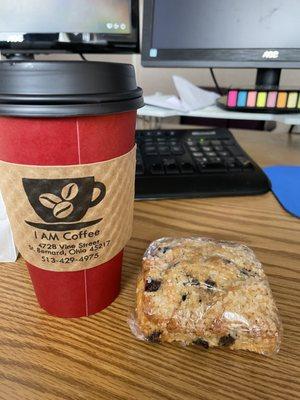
(243, 160)
(223, 153)
(149, 147)
(204, 142)
(164, 150)
(245, 163)
(234, 150)
(219, 148)
(150, 151)
(157, 169)
(197, 133)
(230, 159)
(170, 166)
(211, 154)
(169, 161)
(214, 159)
(203, 133)
(186, 168)
(228, 142)
(207, 148)
(194, 148)
(191, 142)
(232, 164)
(161, 140)
(177, 150)
(202, 160)
(201, 166)
(172, 169)
(197, 154)
(216, 142)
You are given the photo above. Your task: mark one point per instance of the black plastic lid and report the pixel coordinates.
(67, 88)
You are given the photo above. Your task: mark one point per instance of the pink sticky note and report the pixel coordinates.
(251, 100)
(271, 101)
(232, 98)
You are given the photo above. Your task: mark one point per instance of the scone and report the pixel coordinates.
(205, 292)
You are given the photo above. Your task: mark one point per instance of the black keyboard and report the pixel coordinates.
(194, 163)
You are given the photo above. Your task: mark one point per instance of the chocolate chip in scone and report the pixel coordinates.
(184, 297)
(247, 272)
(227, 340)
(163, 249)
(244, 271)
(154, 337)
(201, 342)
(174, 264)
(191, 281)
(152, 285)
(226, 261)
(210, 283)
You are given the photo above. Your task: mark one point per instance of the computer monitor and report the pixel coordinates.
(223, 33)
(81, 26)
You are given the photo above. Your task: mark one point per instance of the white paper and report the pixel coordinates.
(164, 100)
(8, 251)
(190, 97)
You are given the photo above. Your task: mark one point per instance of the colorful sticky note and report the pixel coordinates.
(271, 101)
(242, 98)
(261, 99)
(231, 98)
(251, 100)
(281, 99)
(292, 100)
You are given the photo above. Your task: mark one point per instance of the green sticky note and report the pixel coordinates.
(261, 99)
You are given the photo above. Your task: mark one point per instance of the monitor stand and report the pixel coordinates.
(267, 78)
(265, 97)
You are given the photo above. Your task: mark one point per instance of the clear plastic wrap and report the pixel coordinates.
(205, 292)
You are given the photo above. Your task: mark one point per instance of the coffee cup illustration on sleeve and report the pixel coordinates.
(62, 203)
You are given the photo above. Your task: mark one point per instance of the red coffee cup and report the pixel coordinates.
(64, 114)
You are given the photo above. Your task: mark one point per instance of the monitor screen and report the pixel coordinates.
(69, 21)
(217, 32)
(51, 16)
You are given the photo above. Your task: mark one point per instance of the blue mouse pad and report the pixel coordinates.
(286, 187)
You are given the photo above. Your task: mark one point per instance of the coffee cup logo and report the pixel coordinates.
(62, 203)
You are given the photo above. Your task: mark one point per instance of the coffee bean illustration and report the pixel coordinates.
(69, 192)
(63, 209)
(49, 200)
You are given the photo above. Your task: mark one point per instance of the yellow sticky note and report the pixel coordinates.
(261, 99)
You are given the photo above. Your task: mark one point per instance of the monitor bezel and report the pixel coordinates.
(110, 43)
(211, 58)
